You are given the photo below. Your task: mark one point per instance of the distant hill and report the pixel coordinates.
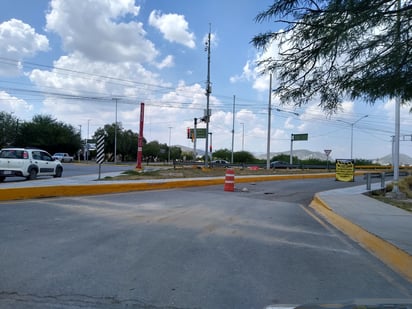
(403, 160)
(304, 154)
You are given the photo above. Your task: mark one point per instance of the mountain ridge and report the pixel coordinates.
(304, 154)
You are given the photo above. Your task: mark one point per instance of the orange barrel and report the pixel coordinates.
(230, 180)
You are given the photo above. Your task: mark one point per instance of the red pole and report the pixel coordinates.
(140, 141)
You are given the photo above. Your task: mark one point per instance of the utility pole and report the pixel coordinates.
(194, 139)
(87, 140)
(170, 136)
(398, 102)
(243, 136)
(269, 120)
(115, 133)
(208, 92)
(233, 128)
(210, 147)
(78, 152)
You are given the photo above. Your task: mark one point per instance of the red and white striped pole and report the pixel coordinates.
(140, 140)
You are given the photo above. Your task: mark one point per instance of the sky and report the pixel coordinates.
(79, 60)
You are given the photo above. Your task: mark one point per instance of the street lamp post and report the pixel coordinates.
(351, 133)
(87, 141)
(170, 136)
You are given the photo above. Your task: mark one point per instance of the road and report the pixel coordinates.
(186, 248)
(77, 169)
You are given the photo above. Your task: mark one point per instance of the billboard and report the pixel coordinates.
(345, 170)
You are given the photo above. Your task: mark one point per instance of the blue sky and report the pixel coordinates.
(70, 59)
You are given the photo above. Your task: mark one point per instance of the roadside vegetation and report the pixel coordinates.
(405, 187)
(66, 138)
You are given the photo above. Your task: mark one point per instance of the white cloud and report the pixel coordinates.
(174, 28)
(95, 84)
(247, 74)
(166, 62)
(89, 27)
(18, 41)
(11, 104)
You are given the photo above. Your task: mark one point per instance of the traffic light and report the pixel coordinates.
(188, 133)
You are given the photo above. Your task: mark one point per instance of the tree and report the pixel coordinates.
(126, 142)
(330, 49)
(49, 134)
(8, 129)
(151, 151)
(222, 154)
(175, 153)
(127, 145)
(243, 157)
(285, 158)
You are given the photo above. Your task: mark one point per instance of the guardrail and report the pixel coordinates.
(177, 164)
(382, 176)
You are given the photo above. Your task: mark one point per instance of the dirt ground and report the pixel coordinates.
(196, 171)
(162, 172)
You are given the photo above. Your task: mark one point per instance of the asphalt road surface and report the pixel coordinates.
(186, 248)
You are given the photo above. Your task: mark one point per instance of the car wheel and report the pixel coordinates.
(59, 172)
(32, 174)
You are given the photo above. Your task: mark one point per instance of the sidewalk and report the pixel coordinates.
(383, 229)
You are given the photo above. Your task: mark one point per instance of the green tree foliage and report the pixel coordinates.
(47, 133)
(175, 153)
(9, 125)
(243, 157)
(285, 158)
(151, 151)
(222, 154)
(188, 156)
(126, 145)
(329, 49)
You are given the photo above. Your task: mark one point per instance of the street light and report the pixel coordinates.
(87, 141)
(170, 135)
(351, 134)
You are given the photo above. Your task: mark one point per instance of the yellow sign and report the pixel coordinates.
(345, 170)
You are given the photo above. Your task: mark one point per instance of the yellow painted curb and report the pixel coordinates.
(101, 188)
(391, 255)
(77, 190)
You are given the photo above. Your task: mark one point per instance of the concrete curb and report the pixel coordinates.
(391, 255)
(397, 259)
(8, 194)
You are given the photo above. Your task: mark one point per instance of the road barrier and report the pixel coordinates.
(230, 180)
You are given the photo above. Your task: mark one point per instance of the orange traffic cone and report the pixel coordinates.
(230, 180)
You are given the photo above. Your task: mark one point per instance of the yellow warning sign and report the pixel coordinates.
(345, 170)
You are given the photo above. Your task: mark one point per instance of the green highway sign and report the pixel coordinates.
(200, 133)
(300, 137)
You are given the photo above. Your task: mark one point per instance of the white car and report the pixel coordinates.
(29, 163)
(63, 157)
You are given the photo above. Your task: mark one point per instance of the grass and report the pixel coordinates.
(198, 171)
(405, 186)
